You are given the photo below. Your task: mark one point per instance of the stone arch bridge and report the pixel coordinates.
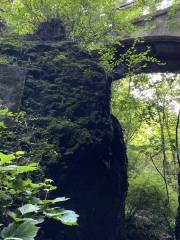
(163, 40)
(70, 93)
(162, 35)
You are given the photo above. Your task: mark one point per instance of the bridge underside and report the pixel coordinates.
(164, 48)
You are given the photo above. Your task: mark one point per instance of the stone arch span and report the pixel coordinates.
(70, 93)
(166, 49)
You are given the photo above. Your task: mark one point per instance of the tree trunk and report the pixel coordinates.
(177, 230)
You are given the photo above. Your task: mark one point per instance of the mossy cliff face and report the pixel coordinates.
(67, 98)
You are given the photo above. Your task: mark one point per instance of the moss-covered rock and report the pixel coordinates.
(67, 101)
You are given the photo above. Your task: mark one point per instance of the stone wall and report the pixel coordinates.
(11, 86)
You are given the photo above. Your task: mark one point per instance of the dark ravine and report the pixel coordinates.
(67, 101)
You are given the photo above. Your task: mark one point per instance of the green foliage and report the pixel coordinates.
(5, 59)
(23, 231)
(147, 197)
(96, 25)
(24, 202)
(89, 22)
(144, 106)
(136, 61)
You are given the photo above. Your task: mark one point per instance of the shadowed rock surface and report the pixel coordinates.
(67, 101)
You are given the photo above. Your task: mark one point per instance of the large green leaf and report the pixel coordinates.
(8, 231)
(53, 201)
(28, 208)
(34, 221)
(5, 199)
(6, 158)
(23, 231)
(19, 169)
(13, 238)
(67, 217)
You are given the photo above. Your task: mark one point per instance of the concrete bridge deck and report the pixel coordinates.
(163, 38)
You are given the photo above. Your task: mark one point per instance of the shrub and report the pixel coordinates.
(24, 202)
(147, 197)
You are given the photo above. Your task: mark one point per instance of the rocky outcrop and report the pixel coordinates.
(67, 101)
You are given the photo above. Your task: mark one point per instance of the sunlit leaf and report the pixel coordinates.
(6, 158)
(24, 231)
(19, 153)
(28, 208)
(53, 201)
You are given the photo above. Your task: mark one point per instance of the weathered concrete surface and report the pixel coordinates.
(11, 86)
(163, 40)
(162, 25)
